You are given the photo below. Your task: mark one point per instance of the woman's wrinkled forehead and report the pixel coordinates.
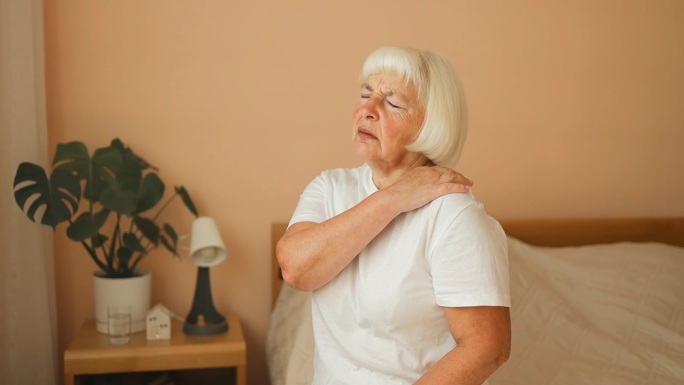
(390, 77)
(406, 65)
(390, 85)
(399, 84)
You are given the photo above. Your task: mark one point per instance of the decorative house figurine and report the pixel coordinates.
(158, 323)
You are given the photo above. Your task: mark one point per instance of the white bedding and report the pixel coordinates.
(600, 315)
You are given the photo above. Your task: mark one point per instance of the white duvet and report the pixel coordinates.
(600, 315)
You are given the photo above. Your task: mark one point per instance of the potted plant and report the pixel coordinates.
(111, 202)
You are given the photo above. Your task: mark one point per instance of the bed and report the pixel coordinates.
(596, 301)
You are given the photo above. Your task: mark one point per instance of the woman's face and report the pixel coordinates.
(387, 118)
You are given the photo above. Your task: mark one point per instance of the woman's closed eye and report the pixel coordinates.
(366, 96)
(393, 105)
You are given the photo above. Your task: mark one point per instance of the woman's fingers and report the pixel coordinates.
(451, 176)
(422, 185)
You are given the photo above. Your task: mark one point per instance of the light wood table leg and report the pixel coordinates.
(241, 375)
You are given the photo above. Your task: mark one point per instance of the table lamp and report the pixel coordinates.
(206, 250)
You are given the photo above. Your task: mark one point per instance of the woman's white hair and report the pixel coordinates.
(445, 126)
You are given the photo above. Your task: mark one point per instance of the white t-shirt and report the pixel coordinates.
(380, 320)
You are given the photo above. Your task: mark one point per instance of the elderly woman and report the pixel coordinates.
(408, 272)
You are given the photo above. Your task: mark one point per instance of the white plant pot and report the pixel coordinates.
(133, 292)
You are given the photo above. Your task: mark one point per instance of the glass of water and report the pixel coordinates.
(119, 324)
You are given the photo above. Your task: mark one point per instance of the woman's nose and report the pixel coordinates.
(370, 108)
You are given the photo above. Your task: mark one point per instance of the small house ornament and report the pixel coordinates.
(158, 323)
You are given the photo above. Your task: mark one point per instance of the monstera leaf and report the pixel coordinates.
(150, 192)
(180, 190)
(99, 172)
(119, 200)
(169, 239)
(59, 195)
(87, 225)
(148, 228)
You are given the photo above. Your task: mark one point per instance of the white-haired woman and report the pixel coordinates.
(408, 272)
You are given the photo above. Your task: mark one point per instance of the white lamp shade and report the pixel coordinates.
(206, 245)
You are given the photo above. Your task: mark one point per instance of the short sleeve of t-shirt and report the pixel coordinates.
(332, 192)
(469, 263)
(311, 205)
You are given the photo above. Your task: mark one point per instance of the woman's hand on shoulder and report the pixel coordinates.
(421, 185)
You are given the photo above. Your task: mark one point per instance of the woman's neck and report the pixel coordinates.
(384, 174)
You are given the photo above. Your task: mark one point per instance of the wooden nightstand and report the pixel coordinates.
(91, 353)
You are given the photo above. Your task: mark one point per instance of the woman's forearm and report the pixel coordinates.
(464, 365)
(311, 254)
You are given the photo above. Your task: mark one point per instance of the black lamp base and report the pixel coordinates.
(203, 305)
(205, 330)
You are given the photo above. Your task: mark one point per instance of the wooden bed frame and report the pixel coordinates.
(562, 232)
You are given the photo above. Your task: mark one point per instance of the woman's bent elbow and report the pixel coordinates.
(291, 273)
(297, 281)
(504, 355)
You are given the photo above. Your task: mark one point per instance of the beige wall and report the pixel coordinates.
(576, 111)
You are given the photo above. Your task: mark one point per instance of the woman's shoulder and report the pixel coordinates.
(454, 203)
(457, 208)
(463, 213)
